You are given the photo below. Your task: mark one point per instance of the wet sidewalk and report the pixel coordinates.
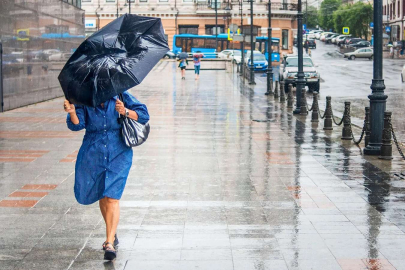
(212, 189)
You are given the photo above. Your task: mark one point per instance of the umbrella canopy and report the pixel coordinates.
(183, 55)
(114, 59)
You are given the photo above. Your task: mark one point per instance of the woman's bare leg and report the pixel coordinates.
(112, 216)
(183, 73)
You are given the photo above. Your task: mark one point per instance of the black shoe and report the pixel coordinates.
(110, 253)
(116, 242)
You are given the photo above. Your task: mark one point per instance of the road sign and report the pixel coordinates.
(304, 26)
(23, 34)
(387, 29)
(346, 30)
(371, 25)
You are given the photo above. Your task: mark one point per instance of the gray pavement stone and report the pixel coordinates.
(211, 189)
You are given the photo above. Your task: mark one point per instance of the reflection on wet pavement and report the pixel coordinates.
(211, 189)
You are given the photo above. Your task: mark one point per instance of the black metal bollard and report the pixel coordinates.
(290, 97)
(315, 109)
(367, 127)
(282, 92)
(276, 91)
(347, 129)
(386, 147)
(327, 123)
(303, 107)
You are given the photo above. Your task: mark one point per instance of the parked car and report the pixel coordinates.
(290, 70)
(324, 35)
(259, 61)
(236, 56)
(49, 52)
(360, 53)
(224, 54)
(335, 39)
(350, 41)
(341, 39)
(61, 56)
(360, 44)
(329, 38)
(18, 56)
(318, 35)
(312, 43)
(403, 73)
(312, 34)
(170, 55)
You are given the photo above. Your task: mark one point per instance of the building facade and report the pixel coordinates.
(199, 16)
(37, 37)
(393, 16)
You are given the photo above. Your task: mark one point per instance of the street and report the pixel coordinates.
(346, 80)
(228, 180)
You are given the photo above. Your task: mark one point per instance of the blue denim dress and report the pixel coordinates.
(103, 161)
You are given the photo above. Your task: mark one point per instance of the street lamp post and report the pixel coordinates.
(252, 75)
(269, 55)
(216, 25)
(242, 61)
(300, 75)
(117, 10)
(377, 98)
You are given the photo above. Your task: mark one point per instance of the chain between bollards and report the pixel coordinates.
(290, 97)
(395, 138)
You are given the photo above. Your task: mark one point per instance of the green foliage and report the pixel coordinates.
(311, 16)
(328, 7)
(355, 16)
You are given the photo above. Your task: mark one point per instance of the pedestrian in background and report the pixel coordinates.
(392, 52)
(104, 160)
(183, 65)
(197, 64)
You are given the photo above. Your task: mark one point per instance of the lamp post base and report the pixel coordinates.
(372, 149)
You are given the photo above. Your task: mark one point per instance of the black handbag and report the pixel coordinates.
(133, 132)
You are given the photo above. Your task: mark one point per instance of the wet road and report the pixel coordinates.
(211, 189)
(346, 80)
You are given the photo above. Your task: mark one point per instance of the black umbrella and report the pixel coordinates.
(114, 59)
(183, 55)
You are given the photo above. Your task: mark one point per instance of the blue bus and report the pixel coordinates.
(206, 44)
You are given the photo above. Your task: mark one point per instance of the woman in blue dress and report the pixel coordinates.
(104, 161)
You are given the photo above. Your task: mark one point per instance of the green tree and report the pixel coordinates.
(355, 16)
(311, 17)
(340, 18)
(328, 7)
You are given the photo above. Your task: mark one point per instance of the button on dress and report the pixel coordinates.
(103, 161)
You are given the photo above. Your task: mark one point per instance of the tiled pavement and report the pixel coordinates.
(211, 189)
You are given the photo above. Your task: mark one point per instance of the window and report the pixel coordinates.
(163, 0)
(188, 29)
(209, 29)
(187, 1)
(275, 46)
(198, 42)
(210, 44)
(110, 1)
(143, 1)
(86, 0)
(284, 39)
(179, 40)
(247, 31)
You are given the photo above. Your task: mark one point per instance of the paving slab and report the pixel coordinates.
(229, 179)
